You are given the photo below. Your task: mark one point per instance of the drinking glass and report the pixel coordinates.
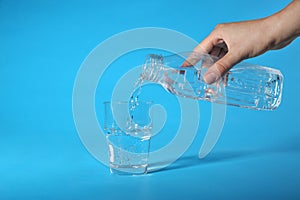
(128, 132)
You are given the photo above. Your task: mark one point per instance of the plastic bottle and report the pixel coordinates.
(245, 85)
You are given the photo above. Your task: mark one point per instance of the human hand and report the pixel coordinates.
(234, 42)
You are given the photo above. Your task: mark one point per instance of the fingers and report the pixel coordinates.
(207, 44)
(220, 68)
(204, 47)
(219, 50)
(190, 60)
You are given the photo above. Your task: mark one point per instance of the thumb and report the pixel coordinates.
(220, 68)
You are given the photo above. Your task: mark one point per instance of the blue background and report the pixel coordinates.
(42, 45)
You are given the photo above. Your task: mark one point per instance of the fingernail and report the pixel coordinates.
(210, 78)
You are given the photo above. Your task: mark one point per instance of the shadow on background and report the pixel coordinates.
(291, 145)
(194, 160)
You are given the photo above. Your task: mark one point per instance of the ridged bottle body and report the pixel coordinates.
(245, 85)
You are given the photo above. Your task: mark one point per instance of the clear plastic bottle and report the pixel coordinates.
(245, 85)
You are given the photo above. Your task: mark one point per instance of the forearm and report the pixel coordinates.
(284, 26)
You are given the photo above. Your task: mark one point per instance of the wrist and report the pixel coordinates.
(283, 26)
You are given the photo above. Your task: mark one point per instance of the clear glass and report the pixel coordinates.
(246, 85)
(128, 133)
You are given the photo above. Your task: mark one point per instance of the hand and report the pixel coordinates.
(234, 42)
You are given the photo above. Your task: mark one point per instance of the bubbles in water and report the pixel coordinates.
(134, 99)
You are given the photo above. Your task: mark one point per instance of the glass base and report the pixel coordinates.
(128, 169)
